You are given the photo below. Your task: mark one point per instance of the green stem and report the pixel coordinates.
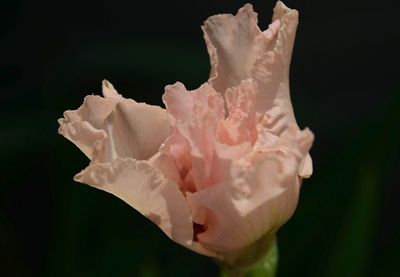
(263, 267)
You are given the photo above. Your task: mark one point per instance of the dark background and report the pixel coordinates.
(345, 86)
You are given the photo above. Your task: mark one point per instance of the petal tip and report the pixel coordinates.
(109, 91)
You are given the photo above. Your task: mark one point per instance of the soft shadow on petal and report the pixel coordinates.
(146, 189)
(259, 198)
(136, 130)
(131, 129)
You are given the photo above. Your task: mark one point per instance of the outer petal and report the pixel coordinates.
(108, 128)
(144, 188)
(259, 198)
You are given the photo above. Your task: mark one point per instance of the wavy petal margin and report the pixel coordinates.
(145, 189)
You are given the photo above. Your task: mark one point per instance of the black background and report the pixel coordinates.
(344, 83)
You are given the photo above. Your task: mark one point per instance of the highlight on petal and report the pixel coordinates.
(145, 189)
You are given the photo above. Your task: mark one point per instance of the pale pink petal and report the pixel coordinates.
(146, 189)
(304, 140)
(306, 167)
(166, 165)
(201, 137)
(109, 91)
(271, 69)
(124, 122)
(136, 130)
(300, 141)
(83, 126)
(259, 198)
(177, 147)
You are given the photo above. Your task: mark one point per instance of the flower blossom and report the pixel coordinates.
(221, 167)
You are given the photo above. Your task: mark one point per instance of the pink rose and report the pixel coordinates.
(221, 167)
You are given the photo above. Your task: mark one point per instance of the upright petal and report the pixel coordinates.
(271, 69)
(231, 42)
(240, 50)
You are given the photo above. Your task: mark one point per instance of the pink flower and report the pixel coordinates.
(221, 167)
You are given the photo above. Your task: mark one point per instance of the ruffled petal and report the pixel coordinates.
(195, 115)
(83, 135)
(183, 105)
(146, 189)
(239, 50)
(113, 127)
